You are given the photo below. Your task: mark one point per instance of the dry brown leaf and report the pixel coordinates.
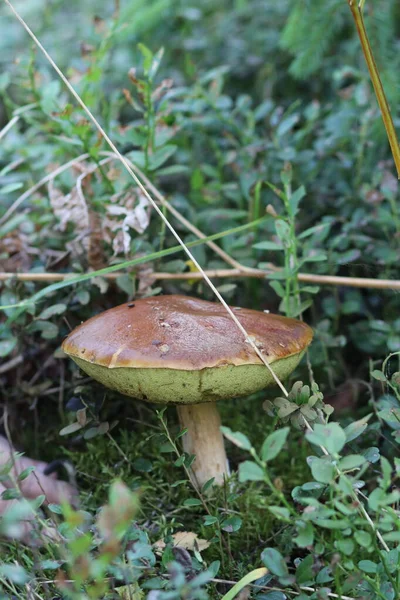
(145, 279)
(69, 208)
(96, 257)
(130, 210)
(185, 539)
(14, 252)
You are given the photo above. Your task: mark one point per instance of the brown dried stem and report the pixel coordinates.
(356, 10)
(333, 280)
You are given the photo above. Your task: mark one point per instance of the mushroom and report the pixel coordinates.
(188, 352)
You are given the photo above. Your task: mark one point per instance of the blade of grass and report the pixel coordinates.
(249, 578)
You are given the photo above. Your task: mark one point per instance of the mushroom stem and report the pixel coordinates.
(205, 440)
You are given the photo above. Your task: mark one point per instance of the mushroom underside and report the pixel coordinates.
(177, 386)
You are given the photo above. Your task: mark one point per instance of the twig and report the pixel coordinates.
(356, 10)
(334, 280)
(11, 364)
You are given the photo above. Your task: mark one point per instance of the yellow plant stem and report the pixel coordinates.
(356, 10)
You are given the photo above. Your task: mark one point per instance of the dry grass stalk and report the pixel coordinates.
(333, 280)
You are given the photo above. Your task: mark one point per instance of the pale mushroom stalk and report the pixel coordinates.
(189, 353)
(205, 440)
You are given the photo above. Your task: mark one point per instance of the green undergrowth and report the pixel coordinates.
(257, 121)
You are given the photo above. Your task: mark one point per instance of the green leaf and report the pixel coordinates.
(368, 566)
(71, 428)
(267, 246)
(91, 433)
(192, 502)
(143, 465)
(274, 562)
(278, 288)
(50, 311)
(379, 376)
(237, 438)
(83, 297)
(48, 330)
(210, 520)
(296, 198)
(310, 289)
(155, 63)
(330, 436)
(11, 494)
(55, 508)
(49, 564)
(138, 157)
(80, 545)
(305, 572)
(250, 471)
(9, 188)
(280, 512)
(322, 469)
(346, 546)
(392, 536)
(179, 482)
(173, 170)
(333, 523)
(355, 429)
(287, 123)
(274, 443)
(208, 484)
(12, 223)
(304, 305)
(363, 538)
(147, 57)
(37, 502)
(161, 156)
(166, 447)
(313, 229)
(7, 346)
(305, 534)
(317, 257)
(231, 524)
(14, 573)
(352, 461)
(285, 407)
(25, 473)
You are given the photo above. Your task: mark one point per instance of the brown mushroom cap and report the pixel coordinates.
(177, 349)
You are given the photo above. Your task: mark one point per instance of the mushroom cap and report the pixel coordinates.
(161, 348)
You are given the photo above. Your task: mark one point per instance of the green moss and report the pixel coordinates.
(174, 386)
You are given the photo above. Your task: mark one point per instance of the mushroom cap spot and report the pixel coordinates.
(199, 335)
